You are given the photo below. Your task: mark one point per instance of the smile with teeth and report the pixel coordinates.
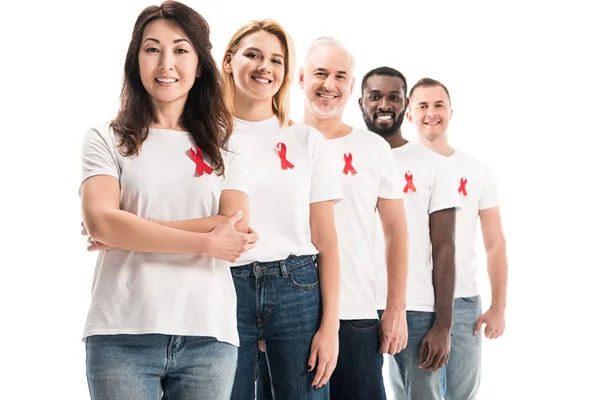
(326, 96)
(261, 80)
(166, 80)
(432, 122)
(384, 117)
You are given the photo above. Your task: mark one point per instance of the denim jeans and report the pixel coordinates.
(461, 376)
(408, 381)
(152, 366)
(279, 302)
(359, 371)
(263, 381)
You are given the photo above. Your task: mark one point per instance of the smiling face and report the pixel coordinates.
(327, 80)
(430, 111)
(168, 63)
(383, 104)
(257, 67)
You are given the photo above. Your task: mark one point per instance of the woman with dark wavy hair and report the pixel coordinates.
(162, 320)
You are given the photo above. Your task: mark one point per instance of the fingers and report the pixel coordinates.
(478, 324)
(435, 360)
(261, 345)
(235, 217)
(384, 346)
(423, 350)
(327, 368)
(312, 360)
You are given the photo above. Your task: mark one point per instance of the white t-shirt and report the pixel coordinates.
(289, 168)
(477, 190)
(368, 172)
(174, 294)
(428, 185)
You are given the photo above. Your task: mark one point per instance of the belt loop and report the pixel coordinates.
(284, 272)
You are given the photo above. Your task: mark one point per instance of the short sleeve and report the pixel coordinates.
(443, 189)
(489, 193)
(325, 179)
(98, 155)
(389, 174)
(236, 169)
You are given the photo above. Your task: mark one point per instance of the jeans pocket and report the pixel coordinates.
(304, 278)
(469, 300)
(363, 325)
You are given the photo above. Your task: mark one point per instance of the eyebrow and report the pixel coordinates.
(378, 91)
(325, 70)
(158, 41)
(259, 51)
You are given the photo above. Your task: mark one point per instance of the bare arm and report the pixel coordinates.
(231, 202)
(393, 331)
(112, 227)
(495, 248)
(324, 350)
(105, 222)
(435, 346)
(497, 265)
(441, 231)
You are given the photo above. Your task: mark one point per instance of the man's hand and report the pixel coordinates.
(435, 349)
(93, 244)
(393, 332)
(494, 323)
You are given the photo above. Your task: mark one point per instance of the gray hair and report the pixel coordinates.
(329, 41)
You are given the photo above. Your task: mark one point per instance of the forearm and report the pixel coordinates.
(329, 276)
(127, 231)
(198, 225)
(397, 272)
(497, 266)
(443, 283)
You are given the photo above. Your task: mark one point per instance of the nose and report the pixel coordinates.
(384, 104)
(329, 83)
(263, 66)
(167, 61)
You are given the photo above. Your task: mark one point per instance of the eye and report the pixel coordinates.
(276, 61)
(395, 98)
(151, 50)
(341, 77)
(374, 97)
(181, 51)
(252, 55)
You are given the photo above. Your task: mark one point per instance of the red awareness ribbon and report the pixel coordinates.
(282, 152)
(463, 186)
(201, 166)
(348, 168)
(409, 183)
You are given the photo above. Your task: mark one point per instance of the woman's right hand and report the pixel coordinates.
(227, 243)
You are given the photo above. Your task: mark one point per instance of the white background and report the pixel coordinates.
(525, 93)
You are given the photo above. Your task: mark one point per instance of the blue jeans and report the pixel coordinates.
(358, 374)
(408, 381)
(279, 302)
(462, 374)
(152, 366)
(263, 381)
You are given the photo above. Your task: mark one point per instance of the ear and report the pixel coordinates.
(360, 102)
(199, 72)
(301, 78)
(352, 84)
(227, 64)
(408, 114)
(451, 113)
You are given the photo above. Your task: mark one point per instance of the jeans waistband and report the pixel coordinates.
(281, 267)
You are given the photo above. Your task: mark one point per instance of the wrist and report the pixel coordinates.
(330, 325)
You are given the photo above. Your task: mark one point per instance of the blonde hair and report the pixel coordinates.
(281, 100)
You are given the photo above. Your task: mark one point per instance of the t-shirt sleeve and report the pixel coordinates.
(236, 169)
(444, 193)
(326, 177)
(389, 175)
(98, 156)
(489, 193)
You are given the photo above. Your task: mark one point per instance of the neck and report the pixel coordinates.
(440, 144)
(252, 110)
(331, 127)
(396, 140)
(168, 115)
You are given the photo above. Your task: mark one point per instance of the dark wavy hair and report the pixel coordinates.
(205, 115)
